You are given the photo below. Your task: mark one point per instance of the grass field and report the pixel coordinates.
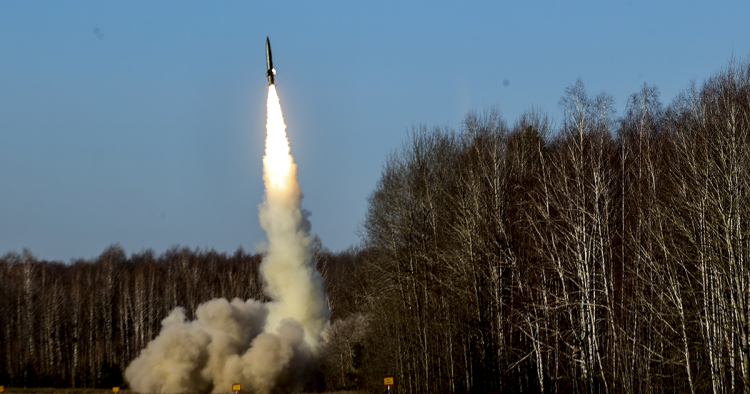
(17, 390)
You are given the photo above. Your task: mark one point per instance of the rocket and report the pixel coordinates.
(269, 64)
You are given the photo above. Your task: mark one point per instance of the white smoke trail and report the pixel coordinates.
(288, 267)
(265, 347)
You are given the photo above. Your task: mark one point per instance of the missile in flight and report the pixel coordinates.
(269, 64)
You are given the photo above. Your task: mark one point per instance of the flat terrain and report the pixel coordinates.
(18, 390)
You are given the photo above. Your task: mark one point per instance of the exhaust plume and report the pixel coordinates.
(265, 347)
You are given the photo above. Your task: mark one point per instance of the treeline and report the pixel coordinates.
(601, 254)
(80, 324)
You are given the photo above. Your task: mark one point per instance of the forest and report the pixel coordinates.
(595, 253)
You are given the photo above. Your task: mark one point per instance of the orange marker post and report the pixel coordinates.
(116, 389)
(2, 389)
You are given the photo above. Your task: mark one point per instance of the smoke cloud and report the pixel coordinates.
(265, 347)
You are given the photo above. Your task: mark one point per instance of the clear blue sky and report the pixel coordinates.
(142, 123)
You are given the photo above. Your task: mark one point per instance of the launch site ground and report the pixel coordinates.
(18, 390)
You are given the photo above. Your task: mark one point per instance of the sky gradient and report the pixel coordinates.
(143, 123)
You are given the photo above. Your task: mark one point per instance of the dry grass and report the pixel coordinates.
(18, 390)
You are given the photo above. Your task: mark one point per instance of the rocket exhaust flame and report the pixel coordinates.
(267, 347)
(278, 166)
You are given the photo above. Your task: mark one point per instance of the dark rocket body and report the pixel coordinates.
(269, 64)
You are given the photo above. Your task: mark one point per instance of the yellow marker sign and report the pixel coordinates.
(116, 389)
(236, 387)
(388, 381)
(2, 389)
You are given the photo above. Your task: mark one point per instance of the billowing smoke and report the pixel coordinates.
(265, 347)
